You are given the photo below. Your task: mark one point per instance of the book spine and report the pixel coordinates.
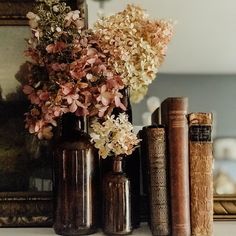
(173, 115)
(157, 176)
(156, 117)
(201, 176)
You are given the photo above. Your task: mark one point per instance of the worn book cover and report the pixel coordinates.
(157, 181)
(173, 115)
(201, 176)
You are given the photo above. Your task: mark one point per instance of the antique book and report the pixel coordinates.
(201, 176)
(156, 117)
(157, 180)
(173, 115)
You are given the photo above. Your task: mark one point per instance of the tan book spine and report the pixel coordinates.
(157, 176)
(201, 176)
(173, 115)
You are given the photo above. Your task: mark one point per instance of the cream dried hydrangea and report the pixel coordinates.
(137, 46)
(114, 136)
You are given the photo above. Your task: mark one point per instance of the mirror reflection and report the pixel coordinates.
(24, 160)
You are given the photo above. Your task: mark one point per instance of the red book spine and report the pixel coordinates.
(173, 115)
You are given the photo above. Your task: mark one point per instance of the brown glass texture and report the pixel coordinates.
(74, 184)
(131, 164)
(116, 202)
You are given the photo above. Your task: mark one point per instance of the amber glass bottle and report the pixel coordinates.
(131, 165)
(74, 178)
(117, 201)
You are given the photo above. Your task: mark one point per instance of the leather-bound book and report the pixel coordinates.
(173, 115)
(156, 117)
(157, 181)
(201, 176)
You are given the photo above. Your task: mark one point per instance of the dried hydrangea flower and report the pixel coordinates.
(137, 46)
(114, 136)
(69, 72)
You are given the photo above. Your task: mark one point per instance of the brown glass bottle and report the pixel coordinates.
(131, 164)
(74, 167)
(117, 201)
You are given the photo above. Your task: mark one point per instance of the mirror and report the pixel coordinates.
(25, 172)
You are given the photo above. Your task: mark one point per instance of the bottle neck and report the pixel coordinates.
(118, 164)
(71, 123)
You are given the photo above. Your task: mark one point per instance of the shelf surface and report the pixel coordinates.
(220, 228)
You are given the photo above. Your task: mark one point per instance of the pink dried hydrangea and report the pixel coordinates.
(137, 46)
(68, 71)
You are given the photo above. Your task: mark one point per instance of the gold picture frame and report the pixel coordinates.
(14, 12)
(225, 207)
(26, 209)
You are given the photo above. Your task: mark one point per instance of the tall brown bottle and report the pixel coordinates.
(74, 175)
(117, 201)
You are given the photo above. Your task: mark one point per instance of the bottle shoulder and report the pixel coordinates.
(75, 140)
(116, 177)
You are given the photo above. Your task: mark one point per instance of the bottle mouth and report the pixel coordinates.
(118, 164)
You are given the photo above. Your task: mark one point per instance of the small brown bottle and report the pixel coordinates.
(117, 201)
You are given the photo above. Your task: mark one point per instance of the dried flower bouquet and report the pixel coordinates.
(68, 70)
(72, 69)
(137, 46)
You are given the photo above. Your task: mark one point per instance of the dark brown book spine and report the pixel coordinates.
(156, 117)
(157, 176)
(173, 115)
(201, 176)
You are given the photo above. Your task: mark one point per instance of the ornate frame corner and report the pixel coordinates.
(14, 12)
(24, 209)
(225, 207)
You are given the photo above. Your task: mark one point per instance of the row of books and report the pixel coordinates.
(178, 147)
